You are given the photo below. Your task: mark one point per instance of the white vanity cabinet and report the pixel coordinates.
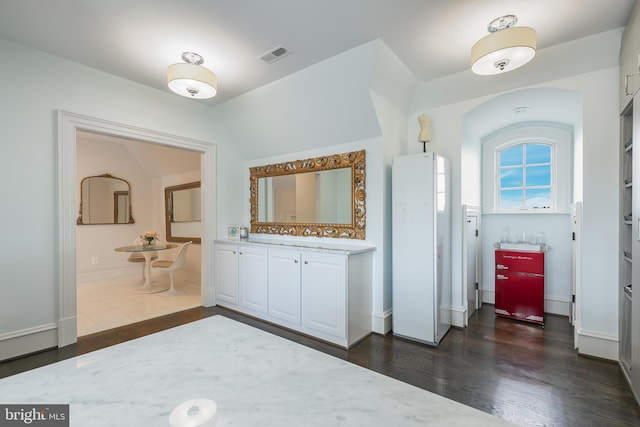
(321, 291)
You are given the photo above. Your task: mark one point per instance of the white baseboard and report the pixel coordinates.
(90, 276)
(209, 296)
(114, 273)
(67, 331)
(25, 341)
(381, 322)
(597, 344)
(459, 317)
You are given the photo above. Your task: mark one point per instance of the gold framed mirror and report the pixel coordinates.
(320, 197)
(104, 199)
(182, 204)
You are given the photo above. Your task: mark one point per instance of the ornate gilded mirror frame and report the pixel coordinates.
(356, 230)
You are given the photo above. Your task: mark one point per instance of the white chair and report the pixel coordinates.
(171, 267)
(138, 257)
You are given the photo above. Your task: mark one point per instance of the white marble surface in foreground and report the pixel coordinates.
(256, 379)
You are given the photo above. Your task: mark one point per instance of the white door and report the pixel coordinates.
(227, 273)
(284, 285)
(253, 278)
(471, 215)
(324, 299)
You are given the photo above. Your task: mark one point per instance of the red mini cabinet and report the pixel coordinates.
(520, 285)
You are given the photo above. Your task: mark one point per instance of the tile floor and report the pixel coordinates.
(106, 304)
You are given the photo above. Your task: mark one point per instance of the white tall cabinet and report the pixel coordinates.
(421, 216)
(320, 290)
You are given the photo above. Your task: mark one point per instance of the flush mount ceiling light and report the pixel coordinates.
(191, 79)
(505, 48)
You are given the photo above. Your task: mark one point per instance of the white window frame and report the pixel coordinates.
(558, 136)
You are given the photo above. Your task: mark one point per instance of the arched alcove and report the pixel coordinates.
(504, 111)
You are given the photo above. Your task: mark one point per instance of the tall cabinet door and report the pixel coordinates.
(324, 289)
(634, 257)
(227, 273)
(284, 285)
(253, 278)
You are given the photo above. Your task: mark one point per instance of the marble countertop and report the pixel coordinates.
(255, 378)
(343, 248)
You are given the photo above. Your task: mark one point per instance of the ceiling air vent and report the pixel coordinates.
(274, 54)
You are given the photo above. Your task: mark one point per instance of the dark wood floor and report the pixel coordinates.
(521, 372)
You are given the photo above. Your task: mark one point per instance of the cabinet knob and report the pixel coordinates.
(306, 262)
(295, 261)
(234, 252)
(240, 253)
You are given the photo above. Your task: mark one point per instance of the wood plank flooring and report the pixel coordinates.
(520, 372)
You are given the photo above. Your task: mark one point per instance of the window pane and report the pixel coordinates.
(538, 175)
(511, 156)
(538, 198)
(511, 199)
(511, 177)
(538, 153)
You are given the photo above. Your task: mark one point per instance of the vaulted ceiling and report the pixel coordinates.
(138, 39)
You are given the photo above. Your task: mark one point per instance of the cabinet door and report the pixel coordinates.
(324, 294)
(629, 60)
(284, 285)
(253, 278)
(227, 273)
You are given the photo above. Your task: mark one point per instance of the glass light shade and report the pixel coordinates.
(503, 51)
(192, 81)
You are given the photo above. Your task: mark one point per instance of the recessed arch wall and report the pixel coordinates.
(501, 112)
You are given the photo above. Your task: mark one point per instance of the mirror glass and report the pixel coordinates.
(312, 197)
(322, 197)
(105, 199)
(182, 212)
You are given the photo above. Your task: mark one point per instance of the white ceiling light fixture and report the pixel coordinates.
(505, 48)
(191, 79)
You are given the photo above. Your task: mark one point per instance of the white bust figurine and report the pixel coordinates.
(425, 131)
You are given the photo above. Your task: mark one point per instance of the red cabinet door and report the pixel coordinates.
(520, 262)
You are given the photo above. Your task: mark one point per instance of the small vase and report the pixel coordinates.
(148, 242)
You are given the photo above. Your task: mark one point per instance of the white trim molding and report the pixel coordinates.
(459, 316)
(381, 322)
(68, 125)
(29, 340)
(596, 344)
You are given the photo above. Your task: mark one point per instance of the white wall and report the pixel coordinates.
(34, 86)
(368, 112)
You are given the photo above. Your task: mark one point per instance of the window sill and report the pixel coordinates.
(529, 212)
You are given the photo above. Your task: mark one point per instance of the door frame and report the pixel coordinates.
(471, 211)
(68, 125)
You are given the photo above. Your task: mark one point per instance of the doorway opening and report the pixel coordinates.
(111, 290)
(69, 124)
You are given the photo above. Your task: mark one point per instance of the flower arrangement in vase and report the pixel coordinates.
(149, 238)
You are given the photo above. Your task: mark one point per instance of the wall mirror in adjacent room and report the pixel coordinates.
(182, 212)
(105, 199)
(321, 197)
